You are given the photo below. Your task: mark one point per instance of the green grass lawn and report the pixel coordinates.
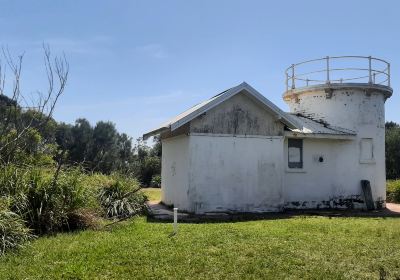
(153, 193)
(301, 247)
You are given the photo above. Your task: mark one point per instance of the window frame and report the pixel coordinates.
(370, 160)
(295, 143)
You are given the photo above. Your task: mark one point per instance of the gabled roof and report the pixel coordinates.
(204, 106)
(310, 126)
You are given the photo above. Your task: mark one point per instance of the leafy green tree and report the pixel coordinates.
(104, 151)
(392, 143)
(391, 125)
(156, 150)
(151, 166)
(148, 161)
(29, 128)
(64, 136)
(126, 159)
(82, 133)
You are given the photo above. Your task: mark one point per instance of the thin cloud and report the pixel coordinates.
(169, 98)
(156, 51)
(90, 46)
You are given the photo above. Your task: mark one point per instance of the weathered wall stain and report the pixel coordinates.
(250, 180)
(233, 158)
(184, 129)
(334, 183)
(238, 115)
(339, 202)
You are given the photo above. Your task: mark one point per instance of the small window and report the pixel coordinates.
(366, 149)
(295, 153)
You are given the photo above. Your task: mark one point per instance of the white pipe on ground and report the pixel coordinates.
(175, 220)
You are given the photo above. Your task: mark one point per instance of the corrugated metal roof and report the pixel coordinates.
(204, 106)
(309, 126)
(296, 123)
(166, 125)
(190, 110)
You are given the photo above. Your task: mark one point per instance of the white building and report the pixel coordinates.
(238, 152)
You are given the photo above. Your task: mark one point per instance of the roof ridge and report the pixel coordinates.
(210, 103)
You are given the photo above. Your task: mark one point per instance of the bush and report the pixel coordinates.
(13, 232)
(392, 150)
(44, 203)
(13, 188)
(122, 198)
(393, 191)
(156, 181)
(151, 166)
(83, 218)
(50, 202)
(71, 201)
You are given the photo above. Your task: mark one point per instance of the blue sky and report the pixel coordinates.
(137, 63)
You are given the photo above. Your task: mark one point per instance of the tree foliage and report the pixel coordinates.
(49, 171)
(101, 148)
(392, 149)
(26, 127)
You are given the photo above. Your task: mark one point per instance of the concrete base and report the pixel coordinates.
(161, 213)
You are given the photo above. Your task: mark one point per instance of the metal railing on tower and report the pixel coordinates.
(338, 70)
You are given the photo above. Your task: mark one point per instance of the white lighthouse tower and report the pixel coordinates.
(348, 92)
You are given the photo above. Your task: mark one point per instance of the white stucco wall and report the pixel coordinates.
(340, 176)
(335, 182)
(175, 171)
(208, 173)
(235, 173)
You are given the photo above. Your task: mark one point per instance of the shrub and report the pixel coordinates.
(13, 187)
(392, 150)
(83, 218)
(73, 200)
(150, 166)
(50, 201)
(393, 191)
(94, 184)
(13, 232)
(156, 181)
(44, 203)
(122, 198)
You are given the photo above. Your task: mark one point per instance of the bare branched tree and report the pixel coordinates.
(42, 104)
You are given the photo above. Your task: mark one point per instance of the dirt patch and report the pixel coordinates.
(393, 207)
